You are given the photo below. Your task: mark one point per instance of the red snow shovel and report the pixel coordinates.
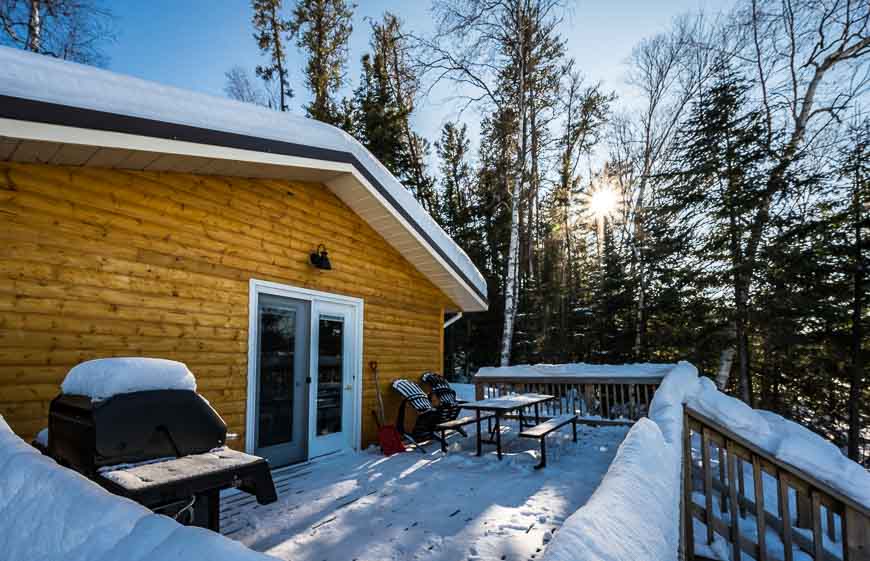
(388, 436)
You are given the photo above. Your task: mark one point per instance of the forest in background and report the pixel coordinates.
(717, 216)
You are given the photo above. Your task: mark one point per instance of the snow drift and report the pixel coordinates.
(49, 513)
(630, 515)
(105, 377)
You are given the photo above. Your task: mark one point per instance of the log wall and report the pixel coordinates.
(97, 262)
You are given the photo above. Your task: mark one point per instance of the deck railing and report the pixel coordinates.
(610, 398)
(808, 515)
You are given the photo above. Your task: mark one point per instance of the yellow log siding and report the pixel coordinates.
(98, 262)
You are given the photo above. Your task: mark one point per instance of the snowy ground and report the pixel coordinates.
(435, 507)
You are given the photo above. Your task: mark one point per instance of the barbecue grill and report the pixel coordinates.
(164, 449)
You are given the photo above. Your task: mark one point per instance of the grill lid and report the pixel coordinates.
(132, 427)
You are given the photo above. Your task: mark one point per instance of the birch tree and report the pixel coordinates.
(67, 29)
(478, 44)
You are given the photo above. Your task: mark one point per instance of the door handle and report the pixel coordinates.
(348, 387)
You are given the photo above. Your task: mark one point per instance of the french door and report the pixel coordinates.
(330, 418)
(304, 373)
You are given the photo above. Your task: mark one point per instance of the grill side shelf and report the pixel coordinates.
(158, 483)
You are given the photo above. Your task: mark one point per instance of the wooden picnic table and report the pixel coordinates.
(501, 406)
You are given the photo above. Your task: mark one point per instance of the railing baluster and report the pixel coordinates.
(785, 514)
(741, 485)
(708, 482)
(758, 491)
(723, 504)
(832, 528)
(732, 496)
(816, 514)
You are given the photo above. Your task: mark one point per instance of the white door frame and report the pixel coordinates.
(257, 287)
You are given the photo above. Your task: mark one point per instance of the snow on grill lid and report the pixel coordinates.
(106, 377)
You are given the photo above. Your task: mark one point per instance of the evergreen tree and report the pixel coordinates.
(391, 48)
(721, 161)
(379, 113)
(322, 29)
(270, 30)
(452, 150)
(375, 119)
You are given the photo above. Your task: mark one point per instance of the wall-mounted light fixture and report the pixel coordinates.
(320, 259)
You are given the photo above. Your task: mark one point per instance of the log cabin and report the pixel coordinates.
(271, 253)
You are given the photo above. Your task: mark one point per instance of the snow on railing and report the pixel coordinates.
(602, 392)
(732, 516)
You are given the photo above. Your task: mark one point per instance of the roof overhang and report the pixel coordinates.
(43, 132)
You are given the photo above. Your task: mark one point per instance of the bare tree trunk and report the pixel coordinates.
(856, 382)
(726, 362)
(510, 290)
(282, 82)
(510, 293)
(741, 310)
(34, 27)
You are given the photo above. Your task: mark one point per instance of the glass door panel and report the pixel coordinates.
(333, 355)
(282, 348)
(330, 374)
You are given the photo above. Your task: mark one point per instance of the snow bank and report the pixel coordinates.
(104, 377)
(48, 513)
(634, 514)
(577, 370)
(630, 516)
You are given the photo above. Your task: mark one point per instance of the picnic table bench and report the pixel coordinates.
(541, 430)
(456, 425)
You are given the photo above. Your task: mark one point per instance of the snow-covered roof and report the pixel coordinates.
(103, 378)
(52, 104)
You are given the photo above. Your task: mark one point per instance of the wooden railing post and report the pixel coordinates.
(686, 518)
(856, 536)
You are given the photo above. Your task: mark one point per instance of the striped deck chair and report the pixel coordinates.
(449, 405)
(427, 415)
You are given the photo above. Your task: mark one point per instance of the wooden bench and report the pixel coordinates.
(542, 430)
(456, 425)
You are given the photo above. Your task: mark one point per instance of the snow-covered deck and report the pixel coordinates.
(429, 506)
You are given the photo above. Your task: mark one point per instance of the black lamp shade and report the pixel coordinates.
(320, 259)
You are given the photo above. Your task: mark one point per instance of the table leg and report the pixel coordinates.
(479, 444)
(498, 434)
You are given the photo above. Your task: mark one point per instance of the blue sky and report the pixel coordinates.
(191, 44)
